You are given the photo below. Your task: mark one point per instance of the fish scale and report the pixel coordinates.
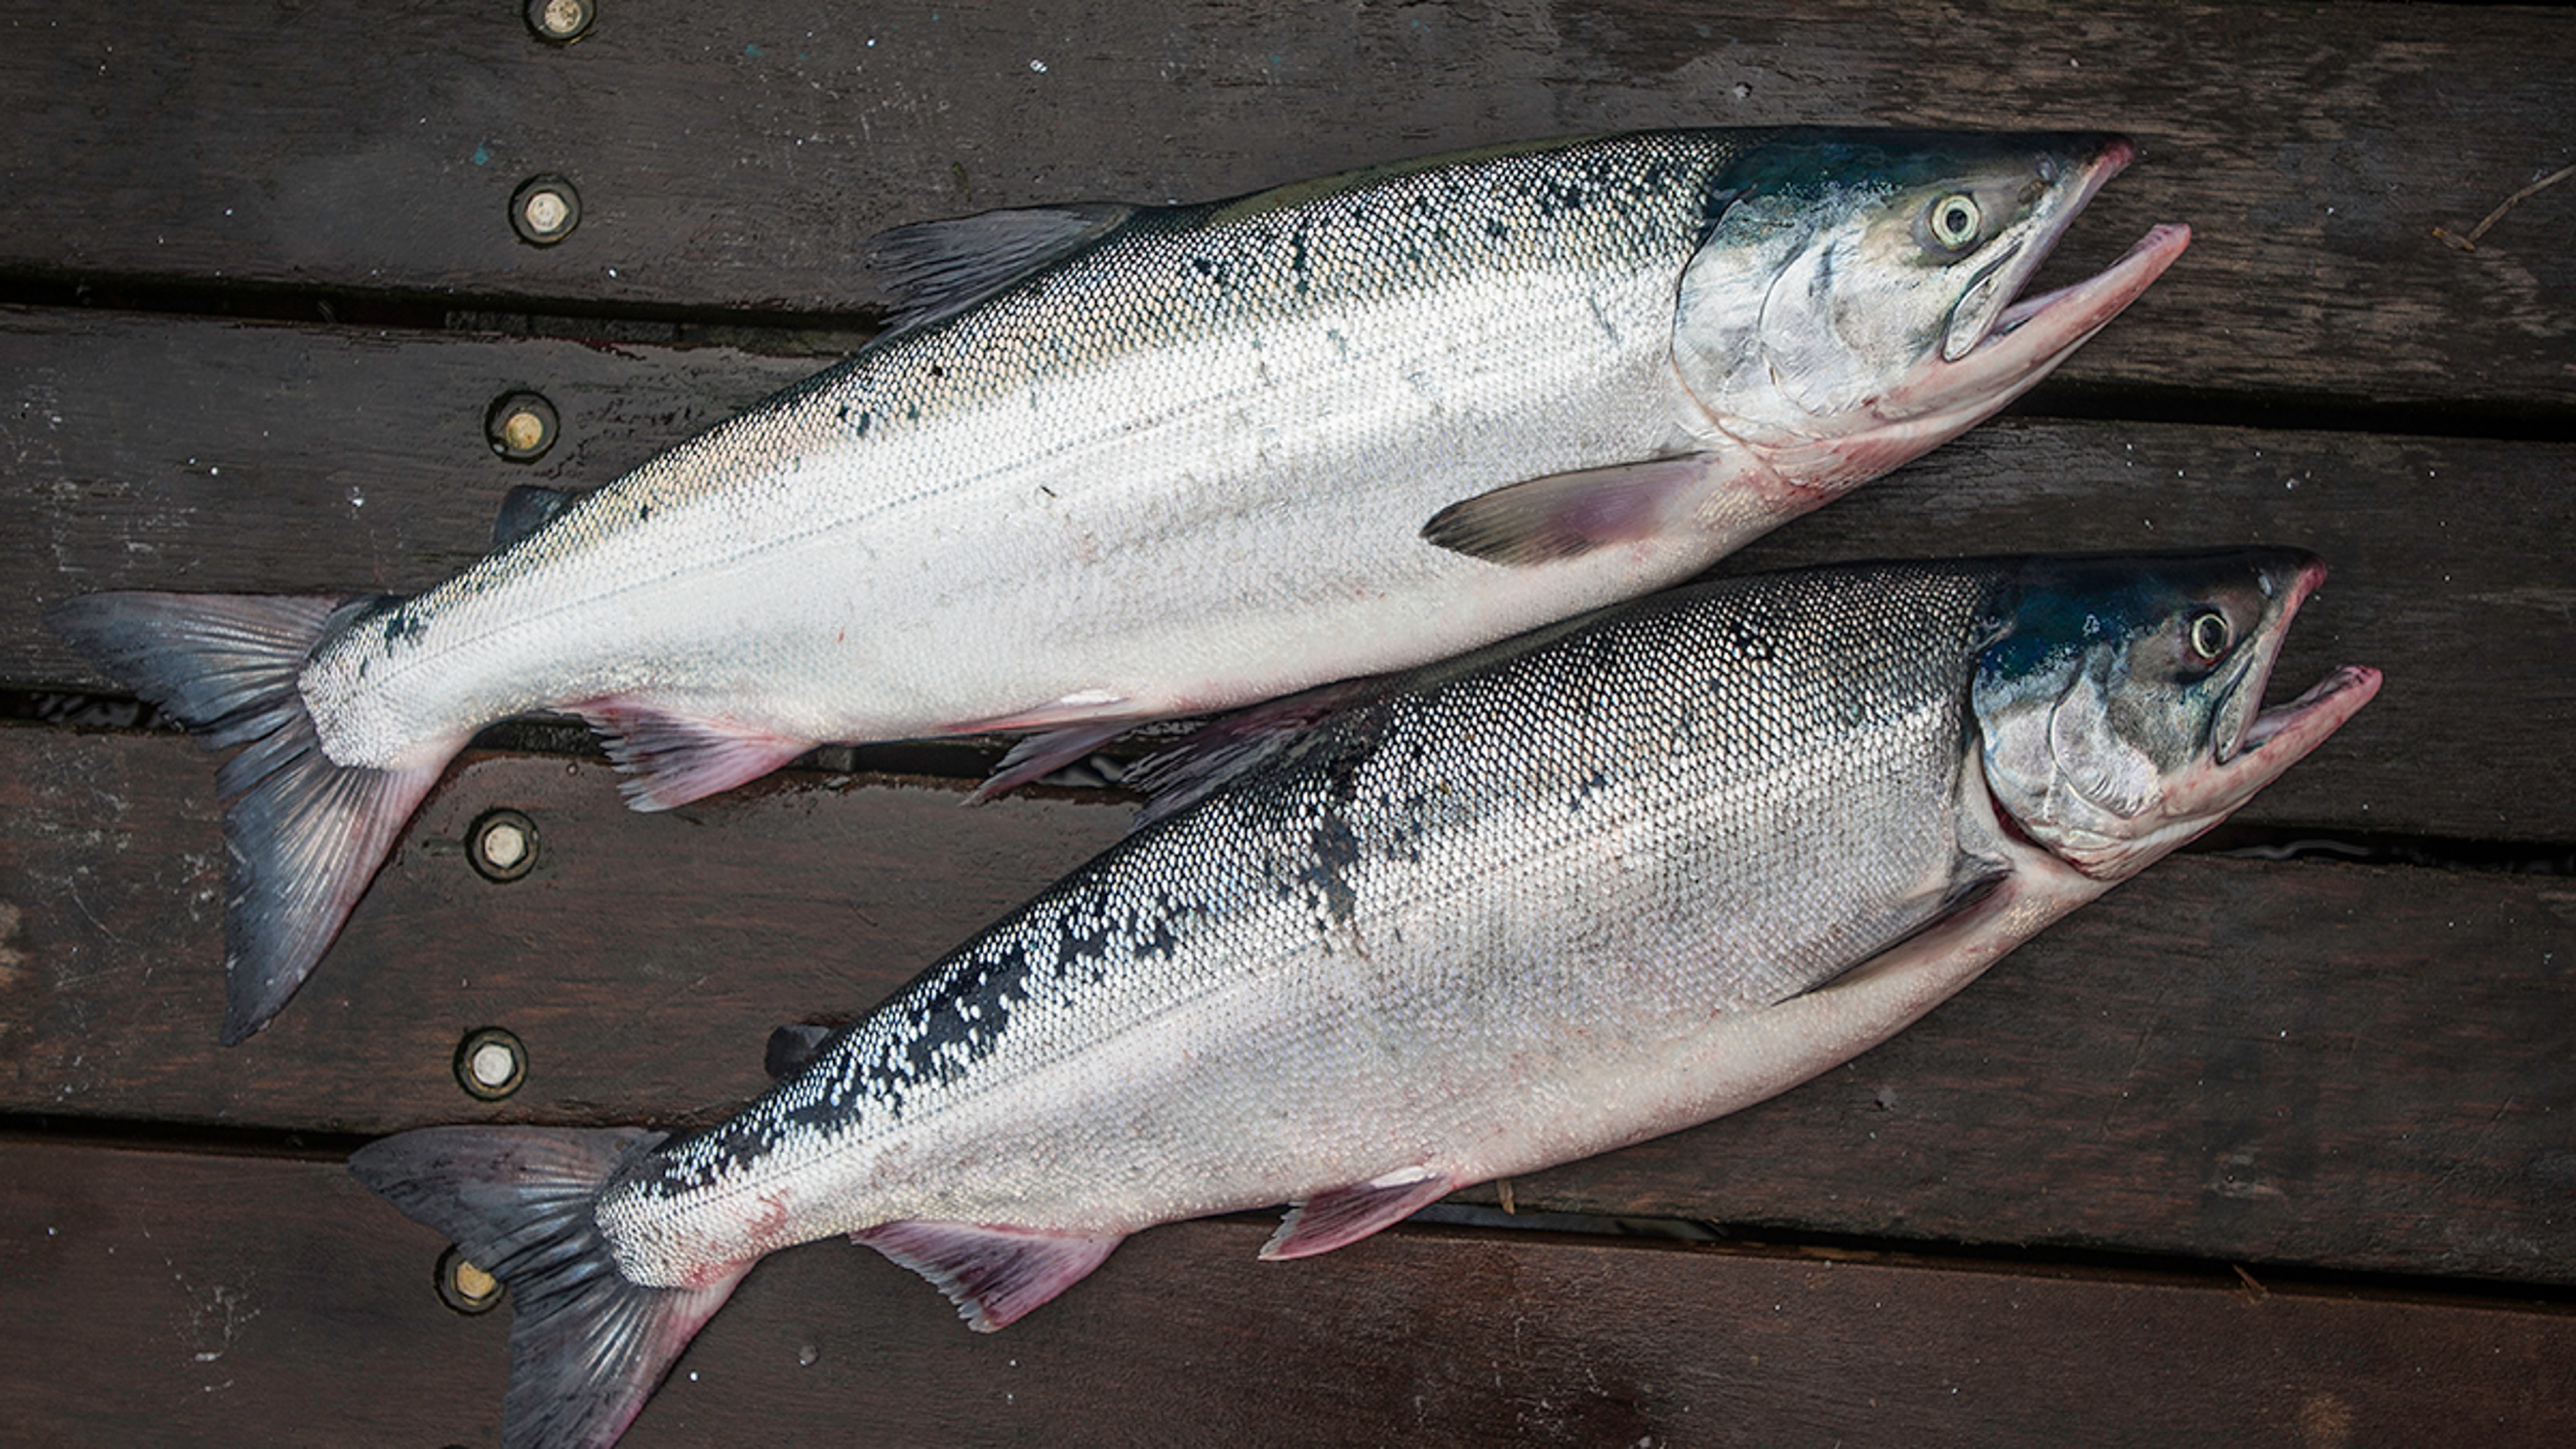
(1404, 935)
(1116, 464)
(1482, 857)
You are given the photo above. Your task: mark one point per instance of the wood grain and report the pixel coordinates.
(156, 453)
(736, 156)
(188, 1300)
(2323, 1065)
(2324, 1072)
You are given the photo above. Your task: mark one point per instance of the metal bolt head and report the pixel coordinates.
(490, 1064)
(544, 210)
(464, 1287)
(502, 845)
(521, 426)
(560, 22)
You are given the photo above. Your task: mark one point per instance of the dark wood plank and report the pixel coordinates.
(2323, 1065)
(204, 1300)
(733, 155)
(153, 453)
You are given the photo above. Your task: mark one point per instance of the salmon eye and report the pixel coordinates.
(1954, 220)
(2210, 636)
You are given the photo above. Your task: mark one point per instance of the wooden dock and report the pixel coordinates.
(2275, 1145)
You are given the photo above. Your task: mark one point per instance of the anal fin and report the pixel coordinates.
(1567, 515)
(671, 759)
(1337, 1217)
(995, 1275)
(1040, 755)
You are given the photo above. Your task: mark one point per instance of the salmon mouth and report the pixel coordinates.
(1990, 355)
(2303, 723)
(2015, 345)
(2037, 332)
(2300, 725)
(2269, 742)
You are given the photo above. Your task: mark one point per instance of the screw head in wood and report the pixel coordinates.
(521, 426)
(490, 1063)
(544, 210)
(502, 844)
(464, 1287)
(560, 22)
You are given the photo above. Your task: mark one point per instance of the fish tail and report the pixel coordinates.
(587, 1345)
(304, 835)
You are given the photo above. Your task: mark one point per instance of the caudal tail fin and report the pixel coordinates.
(587, 1346)
(305, 835)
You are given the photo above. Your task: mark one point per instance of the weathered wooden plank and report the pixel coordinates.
(2328, 1065)
(200, 1300)
(733, 155)
(153, 453)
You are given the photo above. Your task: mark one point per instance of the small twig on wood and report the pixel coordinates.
(2469, 243)
(2253, 1289)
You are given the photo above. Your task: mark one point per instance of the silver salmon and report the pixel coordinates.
(1122, 463)
(1607, 882)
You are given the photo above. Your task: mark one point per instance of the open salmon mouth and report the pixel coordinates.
(2035, 331)
(2312, 716)
(2078, 311)
(2291, 730)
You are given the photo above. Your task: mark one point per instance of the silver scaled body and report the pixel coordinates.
(1501, 920)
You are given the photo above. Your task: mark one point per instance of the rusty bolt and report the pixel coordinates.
(521, 426)
(502, 845)
(544, 210)
(490, 1064)
(464, 1287)
(560, 22)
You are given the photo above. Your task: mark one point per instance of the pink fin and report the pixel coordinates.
(994, 1275)
(1042, 755)
(671, 759)
(1566, 515)
(1340, 1216)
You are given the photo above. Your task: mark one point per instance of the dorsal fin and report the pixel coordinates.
(935, 269)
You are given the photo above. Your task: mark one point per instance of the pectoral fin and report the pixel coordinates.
(1566, 515)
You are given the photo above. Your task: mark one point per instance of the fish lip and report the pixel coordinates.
(2077, 311)
(2274, 739)
(2026, 343)
(2303, 723)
